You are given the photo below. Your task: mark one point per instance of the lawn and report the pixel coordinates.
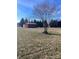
(33, 44)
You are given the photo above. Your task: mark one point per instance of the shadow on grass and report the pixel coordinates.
(51, 33)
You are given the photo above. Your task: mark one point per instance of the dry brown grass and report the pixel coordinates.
(33, 44)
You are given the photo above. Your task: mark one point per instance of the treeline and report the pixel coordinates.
(55, 23)
(52, 23)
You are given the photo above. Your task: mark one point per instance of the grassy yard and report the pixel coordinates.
(33, 44)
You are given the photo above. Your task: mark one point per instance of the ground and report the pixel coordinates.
(33, 44)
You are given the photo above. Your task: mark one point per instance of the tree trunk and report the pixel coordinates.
(45, 30)
(45, 25)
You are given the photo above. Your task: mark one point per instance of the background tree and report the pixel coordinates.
(59, 23)
(26, 20)
(39, 24)
(44, 11)
(51, 23)
(55, 23)
(35, 21)
(22, 22)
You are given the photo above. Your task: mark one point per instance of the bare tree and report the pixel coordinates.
(44, 11)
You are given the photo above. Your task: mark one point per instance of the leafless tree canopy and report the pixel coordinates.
(44, 10)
